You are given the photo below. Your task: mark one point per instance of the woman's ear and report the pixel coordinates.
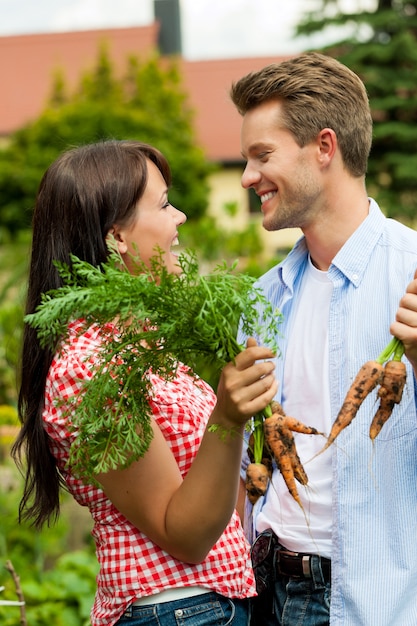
(115, 239)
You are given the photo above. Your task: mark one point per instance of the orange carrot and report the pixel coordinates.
(390, 394)
(276, 407)
(298, 427)
(280, 442)
(258, 476)
(368, 377)
(297, 466)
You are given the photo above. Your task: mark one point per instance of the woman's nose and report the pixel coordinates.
(180, 217)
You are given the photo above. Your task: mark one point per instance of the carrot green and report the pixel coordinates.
(151, 321)
(394, 349)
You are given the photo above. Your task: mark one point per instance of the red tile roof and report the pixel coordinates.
(217, 121)
(28, 63)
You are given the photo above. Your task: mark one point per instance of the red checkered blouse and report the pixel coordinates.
(132, 566)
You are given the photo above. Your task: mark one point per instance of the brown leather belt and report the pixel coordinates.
(298, 565)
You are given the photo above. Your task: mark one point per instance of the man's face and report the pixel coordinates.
(284, 175)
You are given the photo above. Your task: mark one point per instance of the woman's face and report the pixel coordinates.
(154, 226)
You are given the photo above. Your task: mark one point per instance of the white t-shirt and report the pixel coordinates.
(305, 396)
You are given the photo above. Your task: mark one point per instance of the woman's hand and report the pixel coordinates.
(246, 386)
(186, 516)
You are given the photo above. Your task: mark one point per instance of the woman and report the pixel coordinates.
(172, 546)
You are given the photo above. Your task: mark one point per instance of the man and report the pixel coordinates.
(349, 555)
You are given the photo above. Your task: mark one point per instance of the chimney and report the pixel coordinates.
(167, 13)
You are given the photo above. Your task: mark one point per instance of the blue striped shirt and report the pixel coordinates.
(374, 536)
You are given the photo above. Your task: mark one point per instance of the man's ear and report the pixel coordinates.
(115, 239)
(327, 144)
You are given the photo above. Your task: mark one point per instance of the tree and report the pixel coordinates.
(147, 103)
(381, 47)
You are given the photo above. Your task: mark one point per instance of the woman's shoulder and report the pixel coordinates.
(78, 352)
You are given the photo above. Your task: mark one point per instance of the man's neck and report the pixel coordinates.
(336, 224)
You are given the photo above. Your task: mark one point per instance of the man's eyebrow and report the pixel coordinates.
(256, 147)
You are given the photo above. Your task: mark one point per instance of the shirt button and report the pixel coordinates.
(179, 613)
(355, 277)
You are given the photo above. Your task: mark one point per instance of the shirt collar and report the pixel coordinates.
(351, 260)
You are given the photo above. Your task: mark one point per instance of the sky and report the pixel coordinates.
(210, 28)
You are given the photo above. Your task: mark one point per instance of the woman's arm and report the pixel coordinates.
(186, 517)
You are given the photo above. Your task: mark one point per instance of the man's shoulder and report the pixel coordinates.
(397, 225)
(270, 275)
(397, 232)
(289, 265)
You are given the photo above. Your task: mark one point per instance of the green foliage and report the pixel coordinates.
(10, 334)
(65, 594)
(58, 587)
(150, 321)
(147, 103)
(382, 49)
(8, 415)
(11, 323)
(13, 267)
(30, 551)
(62, 596)
(213, 243)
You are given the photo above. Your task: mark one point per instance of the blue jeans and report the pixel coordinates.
(295, 602)
(208, 609)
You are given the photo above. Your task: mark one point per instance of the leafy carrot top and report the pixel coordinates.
(157, 319)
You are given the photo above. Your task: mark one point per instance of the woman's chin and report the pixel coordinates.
(174, 266)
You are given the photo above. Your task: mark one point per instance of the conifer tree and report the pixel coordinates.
(380, 45)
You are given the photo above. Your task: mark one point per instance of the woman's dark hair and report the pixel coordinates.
(81, 196)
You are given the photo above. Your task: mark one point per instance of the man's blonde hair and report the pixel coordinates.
(315, 92)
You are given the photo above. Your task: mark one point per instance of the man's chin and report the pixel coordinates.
(269, 225)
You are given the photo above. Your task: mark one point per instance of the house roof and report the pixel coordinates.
(28, 64)
(216, 120)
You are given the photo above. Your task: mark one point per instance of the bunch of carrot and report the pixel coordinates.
(272, 439)
(272, 435)
(390, 374)
(149, 322)
(259, 470)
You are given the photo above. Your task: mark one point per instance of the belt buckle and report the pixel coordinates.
(305, 562)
